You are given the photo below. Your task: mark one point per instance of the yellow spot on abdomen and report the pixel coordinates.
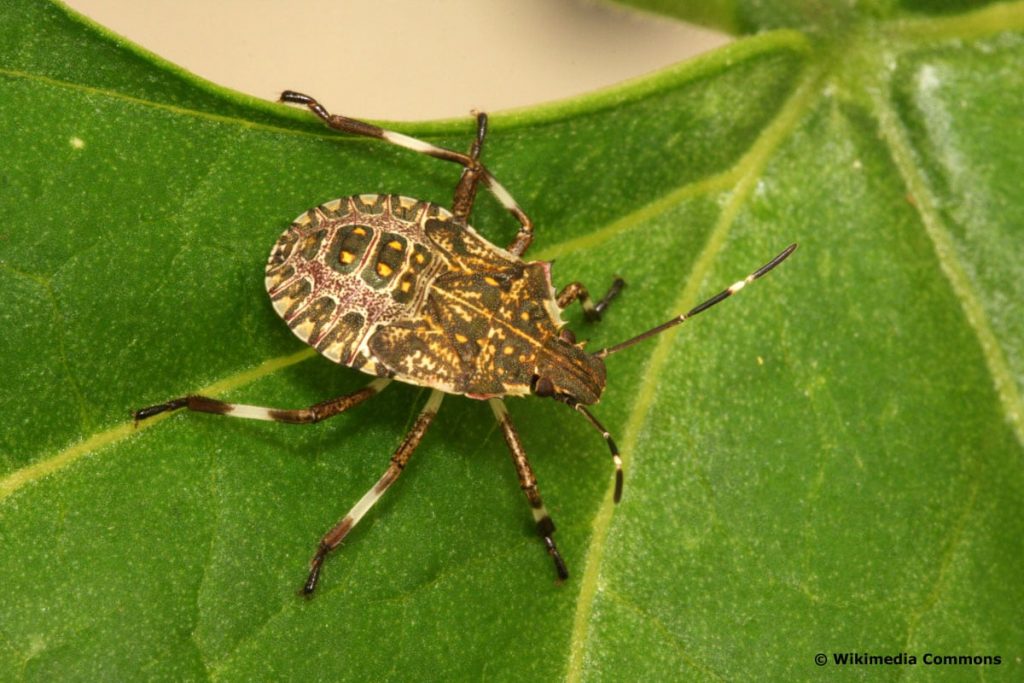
(346, 256)
(405, 286)
(383, 269)
(491, 281)
(508, 350)
(359, 231)
(395, 244)
(461, 338)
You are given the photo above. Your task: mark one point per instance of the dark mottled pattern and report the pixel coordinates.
(278, 274)
(311, 321)
(335, 275)
(310, 243)
(408, 282)
(370, 204)
(483, 333)
(387, 261)
(467, 249)
(394, 286)
(290, 297)
(401, 211)
(282, 250)
(342, 336)
(348, 247)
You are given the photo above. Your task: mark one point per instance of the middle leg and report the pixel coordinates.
(528, 482)
(312, 414)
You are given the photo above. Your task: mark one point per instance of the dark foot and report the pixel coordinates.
(314, 572)
(150, 411)
(560, 568)
(617, 284)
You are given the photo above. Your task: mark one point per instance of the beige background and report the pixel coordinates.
(406, 59)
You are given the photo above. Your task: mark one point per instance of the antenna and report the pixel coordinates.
(700, 308)
(616, 458)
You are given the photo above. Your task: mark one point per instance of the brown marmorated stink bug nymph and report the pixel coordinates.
(404, 289)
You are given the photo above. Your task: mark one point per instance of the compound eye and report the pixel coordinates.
(567, 336)
(542, 386)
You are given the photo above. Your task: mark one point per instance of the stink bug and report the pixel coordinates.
(406, 290)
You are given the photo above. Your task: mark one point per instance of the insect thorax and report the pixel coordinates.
(395, 286)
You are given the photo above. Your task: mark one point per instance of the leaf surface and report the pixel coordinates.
(829, 463)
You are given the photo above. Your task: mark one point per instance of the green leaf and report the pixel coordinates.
(829, 463)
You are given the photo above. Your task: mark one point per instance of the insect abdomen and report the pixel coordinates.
(348, 266)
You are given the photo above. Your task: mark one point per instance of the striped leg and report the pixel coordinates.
(333, 538)
(528, 482)
(474, 169)
(314, 413)
(591, 311)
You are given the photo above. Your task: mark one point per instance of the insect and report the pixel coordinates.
(406, 290)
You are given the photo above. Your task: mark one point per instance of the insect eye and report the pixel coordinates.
(567, 336)
(542, 386)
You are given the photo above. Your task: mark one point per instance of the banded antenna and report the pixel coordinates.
(700, 308)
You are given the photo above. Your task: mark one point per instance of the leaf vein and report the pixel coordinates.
(716, 183)
(674, 638)
(748, 170)
(949, 261)
(955, 539)
(59, 461)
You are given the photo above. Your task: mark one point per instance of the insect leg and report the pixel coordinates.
(528, 482)
(333, 538)
(314, 413)
(469, 161)
(591, 311)
(465, 191)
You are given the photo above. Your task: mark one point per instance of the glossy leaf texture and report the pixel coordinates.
(830, 462)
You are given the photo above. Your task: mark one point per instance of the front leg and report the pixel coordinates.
(592, 312)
